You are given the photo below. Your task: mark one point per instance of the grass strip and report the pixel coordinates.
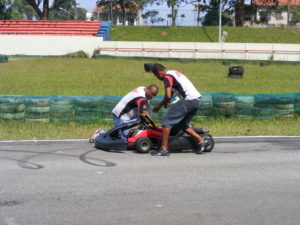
(16, 130)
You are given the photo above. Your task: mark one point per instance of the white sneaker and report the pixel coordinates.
(95, 135)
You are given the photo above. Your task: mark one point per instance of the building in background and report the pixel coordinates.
(269, 13)
(109, 11)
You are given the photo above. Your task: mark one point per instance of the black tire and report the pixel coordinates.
(200, 130)
(211, 142)
(3, 59)
(143, 145)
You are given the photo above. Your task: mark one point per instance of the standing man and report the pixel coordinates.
(131, 105)
(180, 113)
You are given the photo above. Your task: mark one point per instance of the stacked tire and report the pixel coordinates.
(265, 106)
(244, 105)
(12, 108)
(62, 109)
(87, 109)
(107, 103)
(297, 104)
(37, 109)
(3, 58)
(269, 106)
(285, 106)
(224, 104)
(206, 109)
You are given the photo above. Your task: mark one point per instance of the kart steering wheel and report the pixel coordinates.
(147, 120)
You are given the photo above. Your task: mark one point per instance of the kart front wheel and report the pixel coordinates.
(143, 145)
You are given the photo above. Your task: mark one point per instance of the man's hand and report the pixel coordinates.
(156, 108)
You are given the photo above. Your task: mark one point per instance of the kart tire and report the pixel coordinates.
(200, 130)
(210, 140)
(143, 145)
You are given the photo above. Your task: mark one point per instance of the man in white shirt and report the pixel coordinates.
(131, 105)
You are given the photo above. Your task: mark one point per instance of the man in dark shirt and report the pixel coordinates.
(180, 113)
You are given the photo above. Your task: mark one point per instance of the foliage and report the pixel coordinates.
(5, 10)
(61, 9)
(67, 10)
(212, 14)
(153, 17)
(264, 16)
(23, 9)
(32, 9)
(296, 15)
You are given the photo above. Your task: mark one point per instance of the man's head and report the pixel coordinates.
(159, 71)
(151, 91)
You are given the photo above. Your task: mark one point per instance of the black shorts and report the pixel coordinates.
(180, 114)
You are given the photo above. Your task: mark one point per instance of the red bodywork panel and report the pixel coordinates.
(148, 133)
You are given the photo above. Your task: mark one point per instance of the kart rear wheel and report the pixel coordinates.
(210, 140)
(143, 145)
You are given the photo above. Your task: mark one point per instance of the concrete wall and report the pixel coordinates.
(61, 45)
(202, 50)
(47, 45)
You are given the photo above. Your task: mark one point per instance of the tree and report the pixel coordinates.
(153, 17)
(67, 11)
(212, 13)
(295, 15)
(5, 10)
(239, 13)
(42, 9)
(22, 10)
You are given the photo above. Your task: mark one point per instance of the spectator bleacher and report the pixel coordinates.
(104, 30)
(58, 28)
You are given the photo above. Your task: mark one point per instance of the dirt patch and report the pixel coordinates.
(163, 33)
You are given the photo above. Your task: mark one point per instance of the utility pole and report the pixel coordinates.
(220, 21)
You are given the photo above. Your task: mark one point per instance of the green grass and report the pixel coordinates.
(204, 34)
(15, 130)
(106, 76)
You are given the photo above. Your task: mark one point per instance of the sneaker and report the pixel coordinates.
(201, 147)
(160, 153)
(95, 135)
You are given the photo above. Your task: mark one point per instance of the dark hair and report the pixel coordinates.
(153, 87)
(157, 67)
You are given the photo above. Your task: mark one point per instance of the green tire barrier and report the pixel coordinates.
(86, 109)
(3, 58)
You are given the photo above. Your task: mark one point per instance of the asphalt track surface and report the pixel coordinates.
(253, 181)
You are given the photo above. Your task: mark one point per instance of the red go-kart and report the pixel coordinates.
(144, 136)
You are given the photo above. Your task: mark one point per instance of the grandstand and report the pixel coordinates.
(55, 28)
